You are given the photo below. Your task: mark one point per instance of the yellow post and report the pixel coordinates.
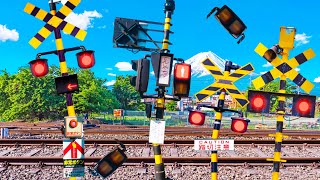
(63, 66)
(160, 102)
(215, 133)
(287, 43)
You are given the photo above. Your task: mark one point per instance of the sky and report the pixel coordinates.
(193, 34)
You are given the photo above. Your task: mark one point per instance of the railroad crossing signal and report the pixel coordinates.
(284, 67)
(225, 81)
(67, 84)
(53, 22)
(181, 80)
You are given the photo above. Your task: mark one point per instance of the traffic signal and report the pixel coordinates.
(181, 81)
(196, 117)
(142, 66)
(107, 165)
(67, 84)
(73, 127)
(39, 67)
(303, 106)
(230, 21)
(259, 102)
(86, 59)
(239, 124)
(148, 110)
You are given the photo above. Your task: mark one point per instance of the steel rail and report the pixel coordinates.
(150, 160)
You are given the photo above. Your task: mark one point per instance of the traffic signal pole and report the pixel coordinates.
(63, 64)
(160, 101)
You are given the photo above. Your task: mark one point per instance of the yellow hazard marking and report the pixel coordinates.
(44, 32)
(74, 145)
(68, 28)
(81, 35)
(54, 21)
(29, 8)
(224, 80)
(292, 74)
(59, 44)
(63, 67)
(41, 14)
(34, 42)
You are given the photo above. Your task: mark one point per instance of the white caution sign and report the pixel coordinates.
(214, 145)
(73, 158)
(156, 134)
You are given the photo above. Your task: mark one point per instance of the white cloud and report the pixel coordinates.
(111, 74)
(110, 83)
(316, 79)
(302, 39)
(7, 34)
(110, 69)
(84, 20)
(263, 72)
(267, 65)
(297, 69)
(124, 66)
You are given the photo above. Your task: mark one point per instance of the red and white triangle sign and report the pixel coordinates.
(73, 149)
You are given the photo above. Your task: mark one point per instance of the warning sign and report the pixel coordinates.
(73, 149)
(214, 145)
(73, 158)
(156, 134)
(118, 112)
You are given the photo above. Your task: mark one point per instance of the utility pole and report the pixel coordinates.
(169, 7)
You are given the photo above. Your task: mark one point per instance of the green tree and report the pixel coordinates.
(24, 96)
(171, 106)
(4, 96)
(93, 97)
(126, 94)
(30, 97)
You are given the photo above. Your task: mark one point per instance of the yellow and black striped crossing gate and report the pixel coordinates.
(224, 80)
(54, 21)
(285, 67)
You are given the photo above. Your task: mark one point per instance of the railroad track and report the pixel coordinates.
(170, 131)
(178, 142)
(224, 161)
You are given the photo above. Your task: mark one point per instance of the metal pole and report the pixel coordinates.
(63, 64)
(160, 102)
(280, 119)
(216, 128)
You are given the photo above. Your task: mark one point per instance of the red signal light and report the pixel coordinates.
(259, 101)
(39, 67)
(86, 59)
(239, 125)
(182, 71)
(197, 117)
(181, 80)
(303, 106)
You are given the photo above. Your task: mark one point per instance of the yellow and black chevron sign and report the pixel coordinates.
(285, 67)
(54, 21)
(225, 81)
